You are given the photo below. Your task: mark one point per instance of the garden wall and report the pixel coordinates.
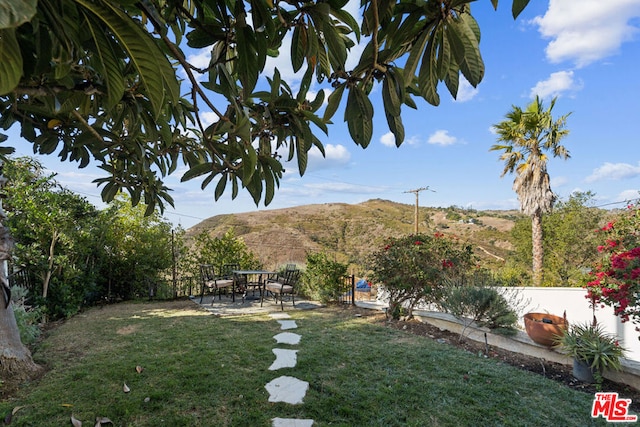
(557, 300)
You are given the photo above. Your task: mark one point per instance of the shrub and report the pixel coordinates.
(412, 268)
(481, 304)
(323, 277)
(27, 318)
(616, 279)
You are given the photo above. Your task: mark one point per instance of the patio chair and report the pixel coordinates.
(281, 288)
(214, 283)
(280, 277)
(226, 271)
(241, 283)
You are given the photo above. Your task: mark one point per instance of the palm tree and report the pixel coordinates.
(525, 137)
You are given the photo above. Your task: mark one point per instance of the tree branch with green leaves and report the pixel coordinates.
(100, 81)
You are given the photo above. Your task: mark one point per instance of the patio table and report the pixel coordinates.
(259, 283)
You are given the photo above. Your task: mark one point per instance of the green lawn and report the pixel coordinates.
(202, 370)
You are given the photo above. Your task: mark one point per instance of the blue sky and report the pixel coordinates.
(587, 53)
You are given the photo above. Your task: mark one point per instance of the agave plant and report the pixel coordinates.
(591, 344)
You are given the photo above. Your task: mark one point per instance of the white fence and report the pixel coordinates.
(573, 301)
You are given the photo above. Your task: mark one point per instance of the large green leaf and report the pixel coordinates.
(396, 127)
(220, 187)
(414, 56)
(14, 13)
(335, 46)
(156, 73)
(301, 148)
(333, 102)
(517, 7)
(464, 46)
(109, 63)
(392, 93)
(248, 60)
(359, 116)
(269, 184)
(298, 47)
(428, 76)
(10, 61)
(197, 170)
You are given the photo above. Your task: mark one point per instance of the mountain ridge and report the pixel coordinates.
(351, 232)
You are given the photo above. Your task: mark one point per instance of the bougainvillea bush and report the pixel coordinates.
(412, 268)
(616, 279)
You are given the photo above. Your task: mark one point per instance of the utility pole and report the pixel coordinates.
(416, 192)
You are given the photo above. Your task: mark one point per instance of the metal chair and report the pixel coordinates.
(216, 284)
(280, 277)
(287, 286)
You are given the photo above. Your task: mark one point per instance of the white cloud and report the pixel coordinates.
(283, 63)
(442, 137)
(557, 83)
(614, 171)
(208, 118)
(335, 156)
(587, 30)
(343, 187)
(200, 59)
(466, 92)
(628, 195)
(559, 181)
(388, 139)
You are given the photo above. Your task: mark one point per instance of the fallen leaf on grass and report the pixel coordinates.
(126, 388)
(139, 369)
(66, 405)
(75, 422)
(102, 420)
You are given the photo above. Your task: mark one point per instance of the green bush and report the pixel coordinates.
(480, 303)
(27, 318)
(323, 278)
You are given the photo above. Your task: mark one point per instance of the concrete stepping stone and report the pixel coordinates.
(287, 389)
(291, 422)
(284, 359)
(287, 338)
(287, 324)
(279, 316)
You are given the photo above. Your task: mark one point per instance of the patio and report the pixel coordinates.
(227, 307)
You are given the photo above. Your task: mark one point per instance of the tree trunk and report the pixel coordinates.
(51, 259)
(536, 239)
(16, 364)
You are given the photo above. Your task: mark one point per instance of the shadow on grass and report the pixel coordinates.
(203, 370)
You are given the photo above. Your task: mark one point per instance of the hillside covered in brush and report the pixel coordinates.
(351, 232)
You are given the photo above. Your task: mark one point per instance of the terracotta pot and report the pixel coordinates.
(542, 328)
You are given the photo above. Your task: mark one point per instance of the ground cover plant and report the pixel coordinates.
(196, 369)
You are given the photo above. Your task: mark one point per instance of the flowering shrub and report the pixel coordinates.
(616, 279)
(412, 268)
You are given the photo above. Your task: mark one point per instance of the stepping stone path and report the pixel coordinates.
(286, 388)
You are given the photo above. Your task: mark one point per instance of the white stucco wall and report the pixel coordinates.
(572, 300)
(557, 301)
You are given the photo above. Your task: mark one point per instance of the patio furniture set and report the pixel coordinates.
(239, 281)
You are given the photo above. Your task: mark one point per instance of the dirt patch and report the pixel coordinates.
(127, 330)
